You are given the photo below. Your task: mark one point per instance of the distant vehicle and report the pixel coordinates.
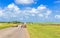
(23, 25)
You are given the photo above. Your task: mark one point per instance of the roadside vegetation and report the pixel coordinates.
(8, 24)
(37, 30)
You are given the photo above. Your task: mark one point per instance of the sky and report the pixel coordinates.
(30, 10)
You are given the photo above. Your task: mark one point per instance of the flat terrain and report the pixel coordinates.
(14, 32)
(37, 30)
(6, 25)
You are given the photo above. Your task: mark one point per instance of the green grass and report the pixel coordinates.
(6, 25)
(43, 30)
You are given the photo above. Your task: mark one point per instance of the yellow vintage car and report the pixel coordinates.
(23, 25)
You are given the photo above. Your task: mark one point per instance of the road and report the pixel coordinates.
(14, 32)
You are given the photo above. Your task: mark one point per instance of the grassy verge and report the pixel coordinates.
(43, 30)
(6, 25)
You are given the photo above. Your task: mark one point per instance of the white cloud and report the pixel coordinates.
(10, 6)
(13, 11)
(40, 15)
(24, 1)
(1, 13)
(57, 16)
(33, 10)
(10, 11)
(49, 12)
(13, 7)
(41, 7)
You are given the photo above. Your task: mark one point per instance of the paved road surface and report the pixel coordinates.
(14, 32)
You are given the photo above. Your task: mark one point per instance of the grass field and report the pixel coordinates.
(6, 25)
(37, 30)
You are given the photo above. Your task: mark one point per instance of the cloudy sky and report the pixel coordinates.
(30, 10)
